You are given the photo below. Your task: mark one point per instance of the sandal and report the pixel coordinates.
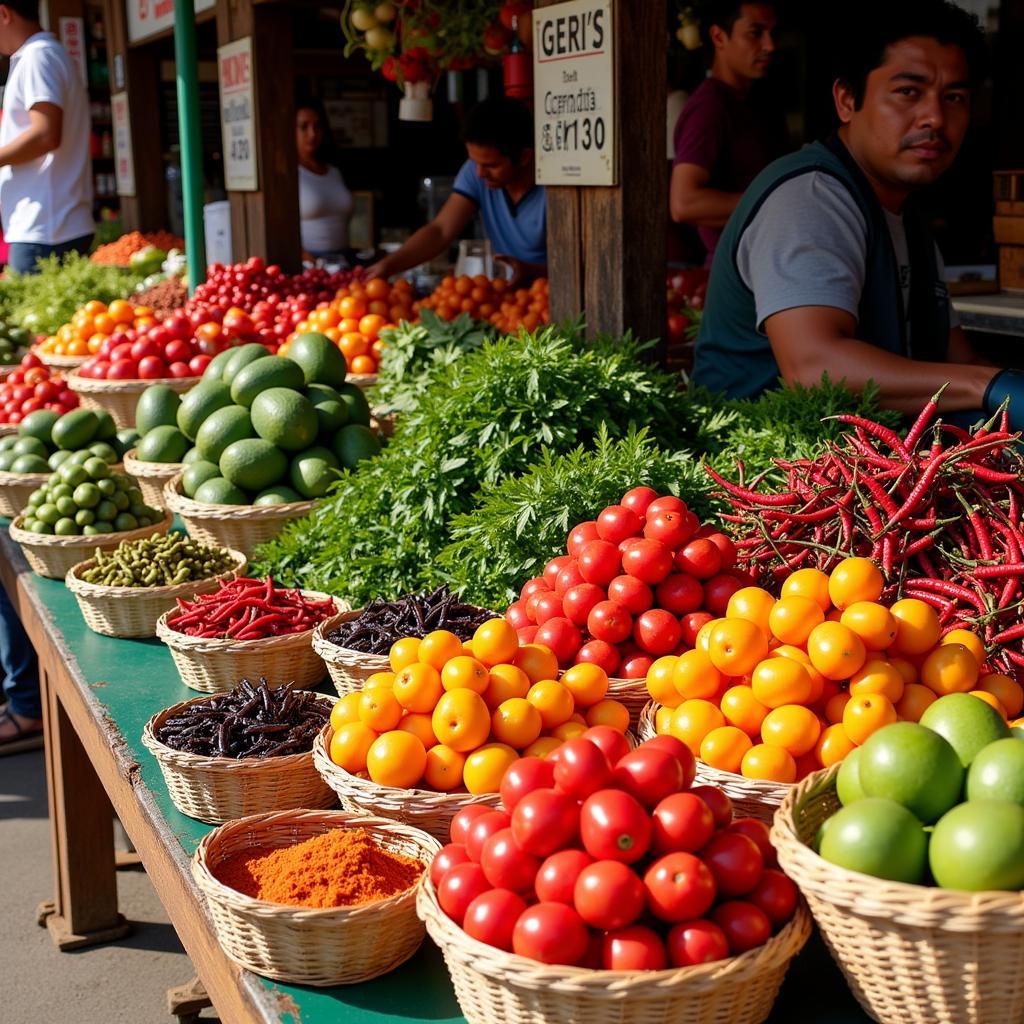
(22, 740)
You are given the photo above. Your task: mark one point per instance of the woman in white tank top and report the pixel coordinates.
(325, 203)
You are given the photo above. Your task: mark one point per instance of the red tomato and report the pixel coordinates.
(649, 774)
(720, 804)
(47, 391)
(515, 615)
(459, 888)
(581, 768)
(180, 370)
(551, 933)
(123, 369)
(679, 886)
(634, 595)
(557, 876)
(545, 821)
(600, 653)
(608, 894)
(636, 666)
(648, 560)
(700, 558)
(669, 503)
(610, 622)
(696, 942)
(736, 863)
(760, 833)
(569, 577)
(614, 826)
(691, 625)
(537, 585)
(546, 607)
(633, 949)
(717, 592)
(680, 593)
(561, 636)
(579, 600)
(616, 522)
(506, 865)
(481, 829)
(31, 361)
(639, 499)
(198, 364)
(599, 562)
(554, 567)
(492, 917)
(526, 634)
(745, 925)
(445, 859)
(152, 368)
(657, 632)
(776, 895)
(673, 529)
(524, 776)
(464, 818)
(680, 751)
(178, 327)
(726, 548)
(609, 741)
(149, 347)
(681, 822)
(580, 536)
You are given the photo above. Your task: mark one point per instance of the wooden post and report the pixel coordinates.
(266, 223)
(606, 246)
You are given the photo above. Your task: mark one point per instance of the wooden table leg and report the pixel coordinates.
(84, 908)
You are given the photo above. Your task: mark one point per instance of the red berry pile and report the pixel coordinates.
(32, 386)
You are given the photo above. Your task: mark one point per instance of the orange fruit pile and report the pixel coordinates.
(91, 325)
(451, 716)
(779, 688)
(355, 317)
(491, 300)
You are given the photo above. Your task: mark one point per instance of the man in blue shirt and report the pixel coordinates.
(497, 182)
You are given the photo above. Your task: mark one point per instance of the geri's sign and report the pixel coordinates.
(148, 17)
(573, 79)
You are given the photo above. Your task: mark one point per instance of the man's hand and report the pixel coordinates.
(381, 268)
(522, 272)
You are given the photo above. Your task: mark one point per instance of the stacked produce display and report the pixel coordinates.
(32, 386)
(490, 300)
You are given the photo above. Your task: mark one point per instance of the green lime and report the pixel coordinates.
(48, 513)
(87, 496)
(108, 488)
(72, 474)
(85, 517)
(125, 521)
(96, 468)
(106, 511)
(65, 527)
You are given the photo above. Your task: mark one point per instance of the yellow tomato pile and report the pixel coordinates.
(354, 318)
(780, 688)
(91, 325)
(494, 301)
(453, 716)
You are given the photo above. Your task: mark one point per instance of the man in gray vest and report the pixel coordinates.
(825, 265)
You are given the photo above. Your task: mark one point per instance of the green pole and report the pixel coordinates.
(189, 131)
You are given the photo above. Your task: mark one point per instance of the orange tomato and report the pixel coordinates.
(350, 745)
(792, 618)
(915, 699)
(853, 580)
(364, 365)
(867, 714)
(345, 710)
(872, 622)
(723, 748)
(378, 288)
(950, 668)
(371, 324)
(104, 323)
(461, 720)
(833, 745)
(495, 641)
(379, 709)
(735, 646)
(799, 655)
(792, 727)
(352, 307)
(419, 725)
(348, 325)
(353, 345)
(609, 712)
(877, 676)
(554, 702)
(660, 681)
(693, 720)
(586, 682)
(1009, 692)
(769, 762)
(811, 583)
(397, 759)
(516, 722)
(504, 683)
(542, 747)
(443, 768)
(569, 730)
(835, 651)
(695, 676)
(662, 720)
(779, 681)
(94, 306)
(742, 709)
(464, 673)
(703, 637)
(403, 652)
(485, 768)
(537, 661)
(906, 668)
(753, 604)
(439, 647)
(970, 640)
(836, 705)
(418, 688)
(385, 679)
(917, 626)
(991, 699)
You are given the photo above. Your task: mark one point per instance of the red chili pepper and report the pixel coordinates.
(993, 476)
(924, 418)
(1013, 633)
(917, 493)
(953, 590)
(772, 500)
(884, 434)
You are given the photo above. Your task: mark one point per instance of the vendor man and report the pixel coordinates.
(497, 181)
(825, 266)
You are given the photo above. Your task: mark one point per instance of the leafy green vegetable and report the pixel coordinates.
(517, 525)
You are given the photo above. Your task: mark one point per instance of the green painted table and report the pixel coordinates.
(98, 695)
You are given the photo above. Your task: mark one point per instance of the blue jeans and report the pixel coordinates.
(24, 255)
(17, 663)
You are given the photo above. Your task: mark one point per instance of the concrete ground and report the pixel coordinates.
(121, 983)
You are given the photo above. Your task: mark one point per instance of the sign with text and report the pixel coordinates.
(574, 93)
(72, 38)
(237, 116)
(147, 17)
(124, 162)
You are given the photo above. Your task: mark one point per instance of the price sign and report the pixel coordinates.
(149, 17)
(124, 161)
(72, 31)
(237, 116)
(573, 87)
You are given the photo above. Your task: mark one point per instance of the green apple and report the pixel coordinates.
(848, 787)
(877, 837)
(979, 846)
(967, 722)
(997, 772)
(915, 767)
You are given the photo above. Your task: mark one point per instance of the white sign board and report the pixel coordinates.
(72, 38)
(124, 162)
(148, 17)
(237, 116)
(574, 94)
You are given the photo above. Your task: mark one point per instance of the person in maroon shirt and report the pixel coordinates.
(723, 137)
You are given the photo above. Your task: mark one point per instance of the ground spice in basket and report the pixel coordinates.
(340, 868)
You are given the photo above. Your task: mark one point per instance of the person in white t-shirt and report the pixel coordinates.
(325, 203)
(45, 178)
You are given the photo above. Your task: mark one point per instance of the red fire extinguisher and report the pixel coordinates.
(516, 67)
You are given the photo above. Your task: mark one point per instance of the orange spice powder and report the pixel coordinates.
(340, 868)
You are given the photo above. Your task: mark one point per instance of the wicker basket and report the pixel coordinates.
(217, 789)
(631, 692)
(15, 490)
(59, 362)
(909, 952)
(119, 397)
(151, 477)
(421, 808)
(242, 527)
(753, 798)
(492, 985)
(133, 611)
(53, 556)
(311, 947)
(212, 666)
(349, 670)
